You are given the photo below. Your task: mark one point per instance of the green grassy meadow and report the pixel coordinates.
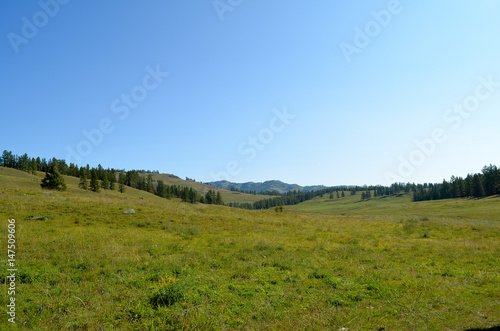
(341, 264)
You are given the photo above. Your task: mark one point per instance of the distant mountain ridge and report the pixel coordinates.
(270, 185)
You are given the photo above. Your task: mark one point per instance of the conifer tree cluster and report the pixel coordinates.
(366, 195)
(53, 179)
(97, 179)
(480, 185)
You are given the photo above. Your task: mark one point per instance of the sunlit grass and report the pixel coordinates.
(389, 265)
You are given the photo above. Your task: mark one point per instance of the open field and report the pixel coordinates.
(374, 265)
(380, 208)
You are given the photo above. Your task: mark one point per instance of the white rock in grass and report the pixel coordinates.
(130, 211)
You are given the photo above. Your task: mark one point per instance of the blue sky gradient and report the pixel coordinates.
(357, 119)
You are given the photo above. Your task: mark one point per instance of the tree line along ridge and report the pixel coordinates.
(479, 185)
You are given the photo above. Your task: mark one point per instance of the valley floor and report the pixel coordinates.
(386, 264)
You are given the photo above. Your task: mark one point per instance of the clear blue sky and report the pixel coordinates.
(360, 101)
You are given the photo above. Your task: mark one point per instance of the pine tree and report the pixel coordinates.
(468, 186)
(161, 189)
(142, 184)
(210, 197)
(455, 187)
(343, 194)
(94, 182)
(490, 180)
(53, 179)
(461, 186)
(105, 181)
(100, 172)
(446, 190)
(121, 182)
(34, 166)
(150, 187)
(185, 194)
(219, 200)
(84, 184)
(477, 186)
(112, 180)
(168, 191)
(193, 196)
(331, 195)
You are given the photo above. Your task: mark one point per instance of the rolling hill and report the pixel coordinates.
(227, 196)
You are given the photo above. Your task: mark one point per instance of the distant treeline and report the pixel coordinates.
(108, 179)
(268, 192)
(480, 185)
(296, 197)
(186, 194)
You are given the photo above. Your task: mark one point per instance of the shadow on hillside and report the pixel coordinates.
(495, 328)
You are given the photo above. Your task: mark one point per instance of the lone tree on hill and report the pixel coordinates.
(53, 179)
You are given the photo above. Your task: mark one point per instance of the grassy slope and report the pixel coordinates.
(384, 266)
(227, 196)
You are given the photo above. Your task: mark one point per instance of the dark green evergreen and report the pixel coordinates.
(94, 181)
(112, 180)
(84, 184)
(121, 182)
(104, 181)
(53, 179)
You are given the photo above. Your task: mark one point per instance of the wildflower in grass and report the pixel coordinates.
(165, 280)
(169, 291)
